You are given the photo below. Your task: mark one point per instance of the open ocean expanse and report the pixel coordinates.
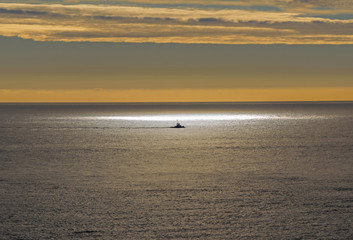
(118, 171)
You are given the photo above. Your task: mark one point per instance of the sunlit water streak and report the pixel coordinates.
(185, 117)
(202, 117)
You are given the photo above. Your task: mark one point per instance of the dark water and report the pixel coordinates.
(117, 171)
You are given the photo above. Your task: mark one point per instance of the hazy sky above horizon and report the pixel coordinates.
(153, 50)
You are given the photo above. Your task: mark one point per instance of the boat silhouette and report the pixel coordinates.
(178, 125)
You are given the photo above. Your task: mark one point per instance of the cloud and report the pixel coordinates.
(178, 95)
(252, 4)
(115, 23)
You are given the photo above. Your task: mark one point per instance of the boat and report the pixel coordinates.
(178, 125)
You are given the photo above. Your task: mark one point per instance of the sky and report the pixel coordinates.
(176, 51)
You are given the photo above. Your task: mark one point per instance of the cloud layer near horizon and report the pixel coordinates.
(178, 95)
(216, 22)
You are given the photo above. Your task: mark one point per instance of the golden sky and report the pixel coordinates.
(153, 50)
(179, 95)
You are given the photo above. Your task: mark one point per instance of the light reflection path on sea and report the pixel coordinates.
(199, 117)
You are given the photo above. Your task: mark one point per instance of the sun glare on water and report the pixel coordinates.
(187, 117)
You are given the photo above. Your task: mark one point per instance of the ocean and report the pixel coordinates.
(118, 171)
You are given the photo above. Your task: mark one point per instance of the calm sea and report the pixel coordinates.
(117, 171)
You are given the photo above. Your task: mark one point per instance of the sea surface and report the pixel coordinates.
(118, 171)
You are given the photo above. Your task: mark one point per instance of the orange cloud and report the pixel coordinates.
(104, 23)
